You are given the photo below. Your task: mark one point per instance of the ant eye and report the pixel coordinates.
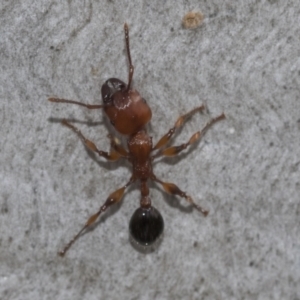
(106, 99)
(115, 84)
(112, 123)
(110, 84)
(146, 225)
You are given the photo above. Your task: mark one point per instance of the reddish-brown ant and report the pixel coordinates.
(129, 113)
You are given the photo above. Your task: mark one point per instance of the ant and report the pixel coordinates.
(129, 113)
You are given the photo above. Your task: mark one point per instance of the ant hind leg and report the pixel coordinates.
(113, 198)
(173, 189)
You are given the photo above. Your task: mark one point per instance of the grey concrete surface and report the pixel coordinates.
(244, 60)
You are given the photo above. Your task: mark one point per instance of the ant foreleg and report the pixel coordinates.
(89, 106)
(113, 198)
(116, 145)
(113, 155)
(172, 151)
(164, 140)
(173, 189)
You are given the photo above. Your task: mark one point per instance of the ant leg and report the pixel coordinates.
(116, 145)
(131, 68)
(113, 198)
(89, 106)
(173, 189)
(164, 140)
(113, 156)
(172, 151)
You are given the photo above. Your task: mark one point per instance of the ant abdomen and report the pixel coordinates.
(146, 225)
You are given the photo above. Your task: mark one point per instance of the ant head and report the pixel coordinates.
(127, 111)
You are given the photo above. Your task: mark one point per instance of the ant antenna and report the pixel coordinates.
(131, 68)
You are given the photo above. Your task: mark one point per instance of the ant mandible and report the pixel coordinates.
(129, 113)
